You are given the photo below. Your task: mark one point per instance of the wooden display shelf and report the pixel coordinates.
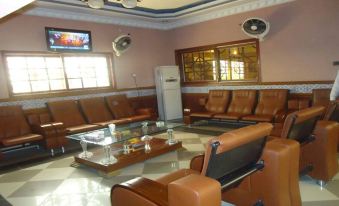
(158, 146)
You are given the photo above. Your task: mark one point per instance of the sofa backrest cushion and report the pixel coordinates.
(299, 125)
(119, 106)
(217, 101)
(67, 112)
(13, 122)
(231, 154)
(271, 101)
(95, 110)
(242, 101)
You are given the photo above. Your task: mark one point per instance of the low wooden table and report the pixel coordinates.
(159, 147)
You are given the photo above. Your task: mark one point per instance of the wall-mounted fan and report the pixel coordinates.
(121, 44)
(255, 27)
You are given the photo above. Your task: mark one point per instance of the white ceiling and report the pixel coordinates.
(155, 14)
(166, 4)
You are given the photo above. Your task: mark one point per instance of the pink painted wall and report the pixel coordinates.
(149, 48)
(301, 45)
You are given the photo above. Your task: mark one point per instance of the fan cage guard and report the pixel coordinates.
(258, 36)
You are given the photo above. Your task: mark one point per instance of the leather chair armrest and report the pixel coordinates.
(60, 128)
(46, 130)
(203, 101)
(139, 191)
(280, 116)
(197, 162)
(194, 190)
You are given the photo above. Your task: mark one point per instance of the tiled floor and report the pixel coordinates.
(57, 183)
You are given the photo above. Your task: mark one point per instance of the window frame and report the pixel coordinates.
(215, 47)
(64, 92)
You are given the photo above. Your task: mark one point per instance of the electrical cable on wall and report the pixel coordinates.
(134, 76)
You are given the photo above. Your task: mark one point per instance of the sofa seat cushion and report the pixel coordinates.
(21, 139)
(203, 114)
(258, 118)
(114, 121)
(230, 115)
(81, 128)
(141, 117)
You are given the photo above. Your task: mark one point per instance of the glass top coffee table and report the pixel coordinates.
(125, 145)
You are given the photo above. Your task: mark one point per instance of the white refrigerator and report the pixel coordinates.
(167, 82)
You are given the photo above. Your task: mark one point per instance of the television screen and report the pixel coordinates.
(68, 40)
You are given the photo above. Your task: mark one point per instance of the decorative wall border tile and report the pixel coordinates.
(297, 88)
(38, 103)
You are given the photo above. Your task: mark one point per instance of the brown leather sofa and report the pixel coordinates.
(275, 184)
(96, 112)
(68, 113)
(217, 103)
(242, 104)
(121, 109)
(318, 141)
(15, 130)
(271, 102)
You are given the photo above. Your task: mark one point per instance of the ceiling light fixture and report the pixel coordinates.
(95, 4)
(129, 4)
(98, 4)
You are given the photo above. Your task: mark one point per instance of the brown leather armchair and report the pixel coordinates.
(318, 141)
(216, 104)
(271, 103)
(121, 109)
(242, 104)
(14, 129)
(68, 113)
(240, 152)
(96, 112)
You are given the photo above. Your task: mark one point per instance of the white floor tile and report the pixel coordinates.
(81, 186)
(100, 200)
(312, 192)
(6, 189)
(27, 201)
(53, 174)
(135, 169)
(168, 157)
(194, 147)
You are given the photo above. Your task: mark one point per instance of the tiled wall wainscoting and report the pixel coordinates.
(38, 103)
(294, 88)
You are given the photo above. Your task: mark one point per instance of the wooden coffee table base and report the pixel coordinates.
(158, 146)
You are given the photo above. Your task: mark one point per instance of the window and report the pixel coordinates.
(34, 73)
(199, 65)
(229, 62)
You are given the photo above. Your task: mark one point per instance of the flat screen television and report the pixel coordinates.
(68, 40)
